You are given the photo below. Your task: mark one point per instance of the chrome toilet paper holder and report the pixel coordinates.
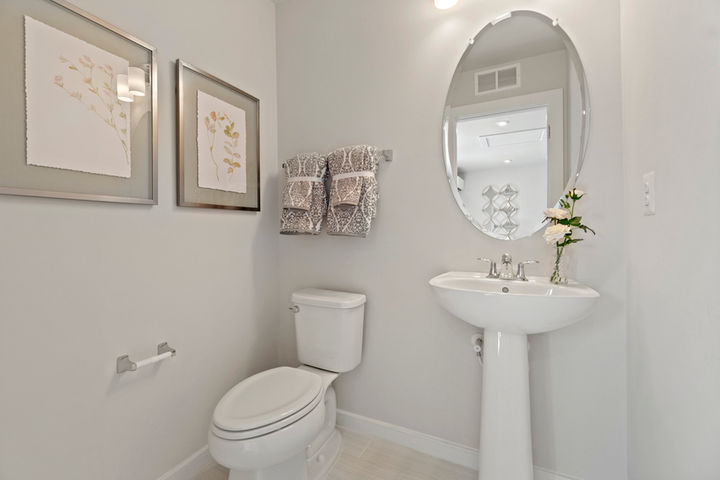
(124, 364)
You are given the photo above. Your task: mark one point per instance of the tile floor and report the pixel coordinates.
(369, 458)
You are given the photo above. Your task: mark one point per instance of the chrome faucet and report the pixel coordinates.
(506, 269)
(520, 275)
(493, 267)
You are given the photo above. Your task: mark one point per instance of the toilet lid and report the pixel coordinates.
(266, 398)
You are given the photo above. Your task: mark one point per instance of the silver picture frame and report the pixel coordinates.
(65, 12)
(188, 193)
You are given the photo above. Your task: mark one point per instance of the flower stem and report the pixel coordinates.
(556, 277)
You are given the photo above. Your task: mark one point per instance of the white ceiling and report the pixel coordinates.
(482, 144)
(510, 40)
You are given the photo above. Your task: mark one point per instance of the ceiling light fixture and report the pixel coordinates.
(445, 4)
(507, 160)
(503, 123)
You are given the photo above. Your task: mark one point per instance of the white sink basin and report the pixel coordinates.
(535, 306)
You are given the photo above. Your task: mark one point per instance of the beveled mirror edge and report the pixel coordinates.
(584, 130)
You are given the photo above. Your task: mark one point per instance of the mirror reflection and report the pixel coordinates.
(515, 124)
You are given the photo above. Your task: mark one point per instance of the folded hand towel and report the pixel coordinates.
(304, 196)
(346, 187)
(353, 190)
(301, 173)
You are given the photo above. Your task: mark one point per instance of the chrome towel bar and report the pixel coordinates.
(386, 155)
(124, 364)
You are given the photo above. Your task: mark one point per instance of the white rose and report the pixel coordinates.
(577, 192)
(555, 233)
(558, 213)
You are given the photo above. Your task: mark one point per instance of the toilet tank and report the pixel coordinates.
(329, 328)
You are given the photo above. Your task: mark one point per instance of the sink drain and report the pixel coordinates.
(505, 289)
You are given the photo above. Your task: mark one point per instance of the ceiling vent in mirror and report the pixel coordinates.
(502, 78)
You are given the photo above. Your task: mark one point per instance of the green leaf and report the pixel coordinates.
(585, 228)
(569, 241)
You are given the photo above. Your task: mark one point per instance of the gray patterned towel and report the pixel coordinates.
(301, 173)
(353, 190)
(304, 196)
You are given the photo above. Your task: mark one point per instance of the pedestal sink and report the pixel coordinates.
(509, 311)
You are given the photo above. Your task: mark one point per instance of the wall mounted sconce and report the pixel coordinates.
(136, 81)
(132, 85)
(123, 89)
(445, 4)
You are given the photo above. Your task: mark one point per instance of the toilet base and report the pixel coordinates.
(299, 467)
(319, 464)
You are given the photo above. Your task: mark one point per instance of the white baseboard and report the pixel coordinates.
(545, 474)
(192, 466)
(427, 444)
(422, 442)
(449, 451)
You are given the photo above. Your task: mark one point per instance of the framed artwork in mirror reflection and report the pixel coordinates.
(85, 95)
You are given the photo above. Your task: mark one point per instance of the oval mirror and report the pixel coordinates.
(515, 125)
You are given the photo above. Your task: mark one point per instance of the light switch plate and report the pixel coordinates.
(648, 193)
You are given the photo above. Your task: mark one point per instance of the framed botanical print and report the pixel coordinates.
(84, 97)
(218, 134)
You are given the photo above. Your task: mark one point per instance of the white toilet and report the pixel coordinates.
(280, 424)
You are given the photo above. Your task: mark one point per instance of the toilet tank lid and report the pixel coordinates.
(327, 298)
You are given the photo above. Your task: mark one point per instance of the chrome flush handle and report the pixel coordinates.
(493, 267)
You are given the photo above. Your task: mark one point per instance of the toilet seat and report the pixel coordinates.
(266, 402)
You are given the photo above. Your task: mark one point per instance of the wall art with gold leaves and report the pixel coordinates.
(86, 131)
(218, 143)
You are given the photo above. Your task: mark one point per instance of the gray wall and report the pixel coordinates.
(539, 73)
(85, 282)
(671, 99)
(375, 71)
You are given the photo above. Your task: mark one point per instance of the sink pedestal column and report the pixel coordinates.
(505, 438)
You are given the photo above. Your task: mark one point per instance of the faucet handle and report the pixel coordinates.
(493, 267)
(521, 269)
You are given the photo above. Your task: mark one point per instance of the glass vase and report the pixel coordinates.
(558, 274)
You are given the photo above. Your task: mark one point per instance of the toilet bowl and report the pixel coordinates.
(263, 426)
(280, 424)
